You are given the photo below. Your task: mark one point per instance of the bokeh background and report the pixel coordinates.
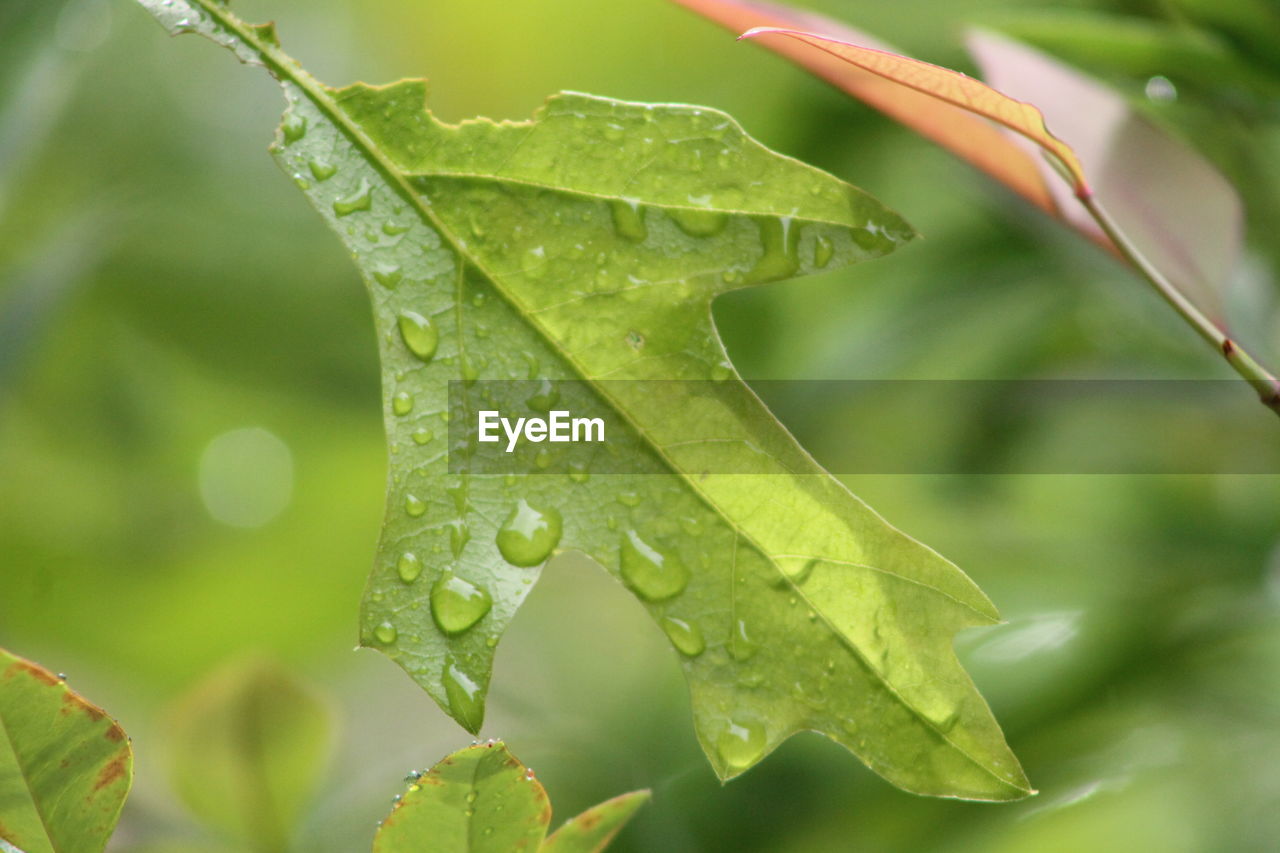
(191, 459)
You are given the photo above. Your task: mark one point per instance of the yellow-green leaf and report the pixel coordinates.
(483, 800)
(583, 249)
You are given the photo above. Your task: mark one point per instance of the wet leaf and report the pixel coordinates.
(246, 749)
(949, 87)
(483, 800)
(591, 831)
(65, 766)
(1183, 216)
(953, 127)
(582, 249)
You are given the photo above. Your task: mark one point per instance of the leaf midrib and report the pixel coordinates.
(280, 68)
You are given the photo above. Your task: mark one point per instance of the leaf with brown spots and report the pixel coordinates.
(483, 800)
(65, 766)
(591, 831)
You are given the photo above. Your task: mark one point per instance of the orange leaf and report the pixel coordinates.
(950, 87)
(952, 126)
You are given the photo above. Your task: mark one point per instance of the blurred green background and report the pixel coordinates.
(170, 307)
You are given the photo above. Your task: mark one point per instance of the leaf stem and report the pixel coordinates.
(1253, 372)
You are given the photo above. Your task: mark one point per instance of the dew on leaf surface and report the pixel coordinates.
(419, 334)
(653, 575)
(686, 637)
(457, 604)
(529, 534)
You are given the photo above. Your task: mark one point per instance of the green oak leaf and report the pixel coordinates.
(585, 247)
(483, 800)
(65, 766)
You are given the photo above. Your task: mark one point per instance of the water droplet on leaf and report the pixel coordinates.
(419, 334)
(686, 637)
(545, 397)
(466, 702)
(293, 129)
(823, 249)
(653, 575)
(529, 534)
(628, 220)
(457, 604)
(388, 276)
(700, 223)
(408, 567)
(361, 199)
(322, 171)
(385, 633)
(780, 244)
(741, 745)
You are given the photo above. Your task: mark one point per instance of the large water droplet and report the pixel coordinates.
(293, 129)
(414, 506)
(385, 633)
(529, 534)
(402, 403)
(700, 223)
(408, 567)
(466, 702)
(361, 199)
(388, 275)
(686, 637)
(321, 170)
(419, 334)
(741, 745)
(628, 219)
(422, 435)
(780, 242)
(457, 604)
(653, 575)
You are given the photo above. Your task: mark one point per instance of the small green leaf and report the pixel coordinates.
(247, 746)
(65, 766)
(591, 831)
(584, 248)
(483, 800)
